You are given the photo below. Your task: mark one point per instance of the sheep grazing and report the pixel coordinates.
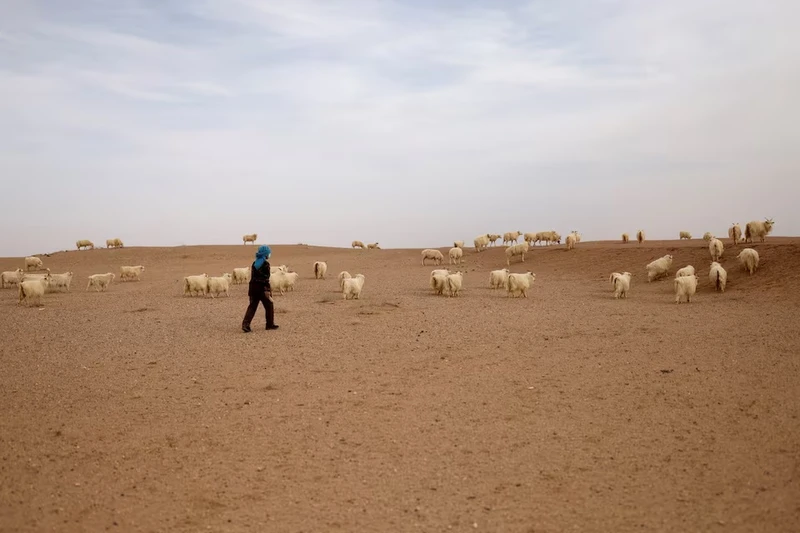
(749, 260)
(715, 248)
(456, 256)
(481, 242)
(84, 243)
(114, 243)
(31, 291)
(218, 285)
(621, 284)
(685, 235)
(453, 283)
(756, 229)
(60, 281)
(435, 255)
(11, 277)
(283, 281)
(497, 278)
(511, 236)
(373, 246)
(320, 268)
(100, 282)
(685, 287)
(194, 285)
(685, 271)
(250, 238)
(493, 238)
(625, 238)
(518, 284)
(352, 287)
(242, 275)
(640, 236)
(357, 244)
(438, 280)
(32, 263)
(571, 240)
(555, 237)
(718, 276)
(458, 244)
(516, 249)
(707, 236)
(659, 268)
(127, 273)
(735, 233)
(276, 269)
(343, 275)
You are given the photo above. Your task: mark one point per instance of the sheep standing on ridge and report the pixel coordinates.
(640, 236)
(659, 268)
(84, 243)
(685, 235)
(114, 243)
(735, 233)
(621, 284)
(320, 268)
(493, 238)
(435, 255)
(625, 238)
(373, 246)
(511, 236)
(497, 278)
(357, 244)
(685, 287)
(100, 282)
(571, 240)
(749, 260)
(250, 238)
(516, 249)
(481, 242)
(715, 248)
(456, 256)
(518, 284)
(353, 287)
(718, 276)
(756, 229)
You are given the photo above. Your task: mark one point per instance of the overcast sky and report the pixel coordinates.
(412, 123)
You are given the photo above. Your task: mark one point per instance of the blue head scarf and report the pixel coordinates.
(262, 255)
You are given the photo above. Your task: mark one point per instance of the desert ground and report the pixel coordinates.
(139, 409)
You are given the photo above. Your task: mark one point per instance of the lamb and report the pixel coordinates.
(438, 280)
(456, 256)
(220, 284)
(718, 276)
(758, 229)
(749, 260)
(249, 238)
(458, 244)
(685, 287)
(685, 271)
(481, 242)
(516, 249)
(735, 233)
(352, 287)
(621, 284)
(625, 238)
(11, 278)
(114, 243)
(658, 268)
(571, 240)
(84, 243)
(357, 244)
(320, 268)
(193, 285)
(497, 278)
(685, 235)
(435, 255)
(715, 248)
(518, 284)
(511, 236)
(242, 275)
(493, 238)
(343, 275)
(31, 291)
(60, 281)
(373, 246)
(100, 281)
(130, 272)
(707, 236)
(453, 283)
(32, 263)
(640, 236)
(283, 281)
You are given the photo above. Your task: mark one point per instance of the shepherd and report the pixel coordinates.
(259, 290)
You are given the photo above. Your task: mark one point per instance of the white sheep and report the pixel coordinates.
(735, 233)
(458, 244)
(621, 284)
(276, 269)
(84, 243)
(11, 277)
(283, 281)
(352, 287)
(217, 285)
(685, 271)
(357, 244)
(640, 236)
(31, 291)
(193, 285)
(453, 283)
(530, 238)
(516, 249)
(438, 280)
(497, 278)
(707, 236)
(250, 238)
(511, 236)
(547, 237)
(242, 275)
(715, 248)
(481, 242)
(456, 255)
(130, 272)
(571, 240)
(373, 246)
(658, 268)
(60, 281)
(749, 260)
(625, 238)
(758, 229)
(343, 275)
(685, 287)
(435, 255)
(577, 236)
(518, 284)
(685, 235)
(32, 263)
(100, 282)
(114, 243)
(718, 276)
(320, 268)
(493, 238)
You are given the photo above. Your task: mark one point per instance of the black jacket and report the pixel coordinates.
(259, 279)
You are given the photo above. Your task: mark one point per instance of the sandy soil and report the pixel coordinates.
(143, 410)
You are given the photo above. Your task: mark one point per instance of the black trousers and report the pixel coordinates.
(260, 297)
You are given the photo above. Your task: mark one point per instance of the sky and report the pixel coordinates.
(410, 123)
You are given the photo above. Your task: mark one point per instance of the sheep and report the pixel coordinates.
(31, 291)
(352, 287)
(735, 233)
(32, 263)
(193, 285)
(276, 269)
(130, 272)
(658, 268)
(114, 243)
(220, 284)
(516, 249)
(718, 276)
(577, 235)
(625, 238)
(481, 242)
(27, 276)
(518, 284)
(373, 246)
(84, 243)
(758, 229)
(283, 281)
(685, 235)
(320, 268)
(453, 283)
(621, 284)
(685, 287)
(749, 260)
(100, 281)
(511, 236)
(493, 238)
(546, 237)
(685, 271)
(357, 244)
(435, 255)
(497, 278)
(343, 275)
(640, 236)
(715, 248)
(456, 256)
(242, 275)
(458, 244)
(11, 278)
(571, 240)
(249, 238)
(438, 280)
(60, 281)
(555, 237)
(707, 236)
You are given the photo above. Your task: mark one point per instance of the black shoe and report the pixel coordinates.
(273, 326)
(246, 329)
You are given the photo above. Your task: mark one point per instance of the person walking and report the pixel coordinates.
(259, 290)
